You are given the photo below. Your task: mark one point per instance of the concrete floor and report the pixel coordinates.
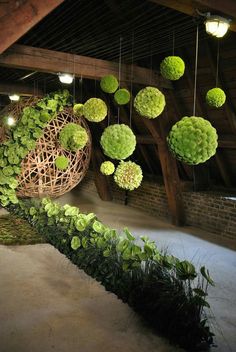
(47, 304)
(202, 248)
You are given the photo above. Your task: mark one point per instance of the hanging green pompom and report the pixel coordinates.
(128, 175)
(215, 97)
(122, 96)
(95, 110)
(73, 137)
(62, 162)
(78, 109)
(193, 140)
(107, 168)
(118, 141)
(172, 67)
(149, 102)
(109, 84)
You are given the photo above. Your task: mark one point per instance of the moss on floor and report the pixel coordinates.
(17, 231)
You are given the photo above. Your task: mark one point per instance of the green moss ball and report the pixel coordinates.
(78, 109)
(172, 67)
(122, 96)
(109, 84)
(73, 137)
(62, 162)
(95, 110)
(128, 175)
(215, 97)
(107, 168)
(149, 102)
(193, 140)
(118, 141)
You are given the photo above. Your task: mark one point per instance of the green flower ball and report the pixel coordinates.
(62, 162)
(193, 140)
(172, 67)
(128, 175)
(78, 109)
(118, 141)
(122, 96)
(149, 102)
(73, 137)
(109, 84)
(107, 168)
(95, 110)
(215, 97)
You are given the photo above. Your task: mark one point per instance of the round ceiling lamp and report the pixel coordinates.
(14, 97)
(65, 78)
(216, 25)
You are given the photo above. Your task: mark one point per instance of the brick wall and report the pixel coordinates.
(210, 211)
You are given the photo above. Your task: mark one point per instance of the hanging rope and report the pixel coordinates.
(195, 74)
(131, 82)
(81, 88)
(173, 43)
(217, 62)
(120, 51)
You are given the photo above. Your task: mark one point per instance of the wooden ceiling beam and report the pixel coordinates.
(169, 172)
(21, 89)
(43, 60)
(19, 17)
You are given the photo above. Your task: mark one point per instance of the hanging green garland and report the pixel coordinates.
(193, 140)
(107, 168)
(95, 110)
(73, 137)
(109, 84)
(118, 141)
(78, 110)
(62, 162)
(215, 97)
(128, 175)
(172, 67)
(149, 102)
(122, 96)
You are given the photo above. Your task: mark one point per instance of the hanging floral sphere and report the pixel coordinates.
(122, 96)
(62, 162)
(109, 84)
(107, 168)
(215, 97)
(95, 110)
(78, 110)
(73, 137)
(149, 102)
(193, 140)
(172, 67)
(118, 141)
(128, 175)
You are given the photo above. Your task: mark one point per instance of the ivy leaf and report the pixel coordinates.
(75, 243)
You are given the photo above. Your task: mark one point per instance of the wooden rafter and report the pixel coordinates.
(169, 171)
(19, 17)
(101, 182)
(224, 172)
(36, 59)
(22, 89)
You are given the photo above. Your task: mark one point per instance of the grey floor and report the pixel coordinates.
(202, 248)
(47, 304)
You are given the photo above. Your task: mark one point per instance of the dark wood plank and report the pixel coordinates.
(20, 18)
(36, 59)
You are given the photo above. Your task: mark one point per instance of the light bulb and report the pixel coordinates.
(66, 78)
(11, 121)
(14, 97)
(217, 26)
